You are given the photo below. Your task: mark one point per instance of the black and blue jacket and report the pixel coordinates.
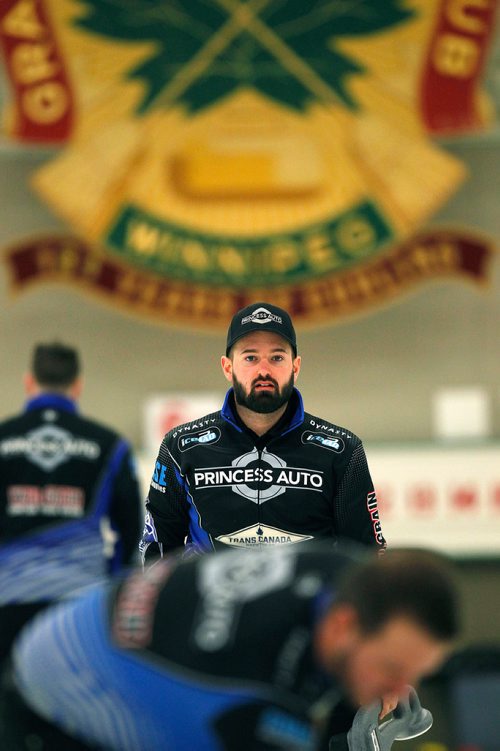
(216, 483)
(214, 653)
(70, 507)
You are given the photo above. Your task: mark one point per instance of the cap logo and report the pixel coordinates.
(261, 315)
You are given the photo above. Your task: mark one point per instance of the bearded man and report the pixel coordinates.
(261, 471)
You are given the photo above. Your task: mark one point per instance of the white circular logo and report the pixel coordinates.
(260, 475)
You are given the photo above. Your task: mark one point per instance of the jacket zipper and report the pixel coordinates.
(259, 528)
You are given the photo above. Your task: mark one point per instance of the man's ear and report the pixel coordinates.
(76, 388)
(337, 630)
(31, 387)
(227, 367)
(296, 367)
(344, 619)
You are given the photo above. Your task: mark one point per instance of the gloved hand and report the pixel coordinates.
(409, 719)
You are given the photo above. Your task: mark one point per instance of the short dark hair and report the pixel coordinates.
(55, 365)
(416, 583)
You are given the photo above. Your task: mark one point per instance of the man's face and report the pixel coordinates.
(263, 370)
(398, 654)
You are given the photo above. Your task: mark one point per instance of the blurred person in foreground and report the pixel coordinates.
(70, 506)
(240, 651)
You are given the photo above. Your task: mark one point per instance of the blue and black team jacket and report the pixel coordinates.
(213, 653)
(70, 507)
(216, 483)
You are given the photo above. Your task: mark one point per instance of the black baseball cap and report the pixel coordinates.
(261, 316)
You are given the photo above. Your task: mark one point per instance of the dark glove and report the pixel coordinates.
(409, 719)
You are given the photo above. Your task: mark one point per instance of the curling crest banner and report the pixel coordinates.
(212, 152)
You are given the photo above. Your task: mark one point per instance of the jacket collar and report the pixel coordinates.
(53, 401)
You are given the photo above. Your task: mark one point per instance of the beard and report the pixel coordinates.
(263, 402)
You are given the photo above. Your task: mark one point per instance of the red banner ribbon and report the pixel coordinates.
(455, 64)
(43, 106)
(433, 254)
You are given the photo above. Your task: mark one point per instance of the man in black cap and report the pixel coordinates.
(260, 471)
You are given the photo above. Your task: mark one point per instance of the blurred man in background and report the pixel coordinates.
(70, 507)
(239, 651)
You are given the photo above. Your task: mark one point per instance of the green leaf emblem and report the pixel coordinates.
(206, 49)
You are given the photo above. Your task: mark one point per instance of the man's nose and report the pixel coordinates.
(264, 366)
(264, 373)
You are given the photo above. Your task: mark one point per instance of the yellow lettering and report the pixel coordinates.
(380, 280)
(31, 64)
(92, 266)
(22, 21)
(284, 256)
(456, 11)
(45, 258)
(448, 255)
(358, 285)
(46, 103)
(68, 259)
(335, 296)
(431, 260)
(313, 299)
(231, 261)
(175, 299)
(280, 296)
(319, 252)
(195, 256)
(161, 302)
(127, 283)
(148, 292)
(219, 305)
(456, 56)
(355, 235)
(142, 237)
(197, 301)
